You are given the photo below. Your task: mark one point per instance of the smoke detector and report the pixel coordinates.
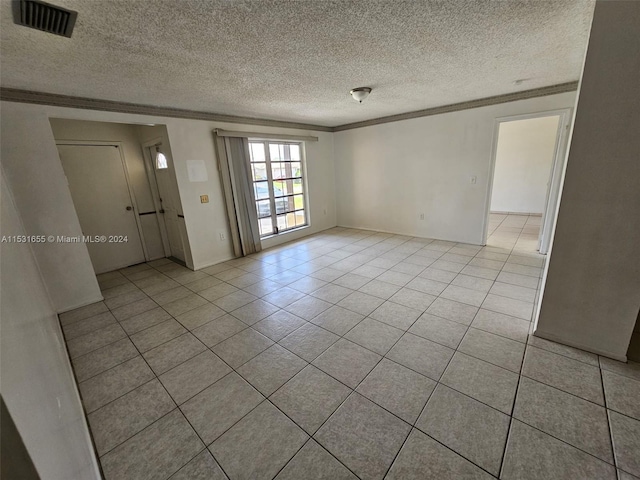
(45, 17)
(360, 93)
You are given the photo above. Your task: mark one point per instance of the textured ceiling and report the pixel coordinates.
(297, 60)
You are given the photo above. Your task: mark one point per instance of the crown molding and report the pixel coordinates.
(41, 98)
(26, 96)
(482, 102)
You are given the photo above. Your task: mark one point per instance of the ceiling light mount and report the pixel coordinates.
(360, 93)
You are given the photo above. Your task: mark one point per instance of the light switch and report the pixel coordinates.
(204, 198)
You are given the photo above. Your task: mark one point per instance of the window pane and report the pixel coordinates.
(282, 222)
(263, 208)
(295, 153)
(296, 169)
(288, 170)
(261, 190)
(259, 171)
(266, 226)
(298, 201)
(278, 171)
(256, 151)
(281, 205)
(161, 161)
(285, 204)
(291, 220)
(300, 218)
(297, 186)
(287, 152)
(277, 189)
(275, 152)
(285, 186)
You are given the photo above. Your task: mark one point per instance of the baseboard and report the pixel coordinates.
(211, 264)
(409, 234)
(554, 338)
(80, 305)
(517, 213)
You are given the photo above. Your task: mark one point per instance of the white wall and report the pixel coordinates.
(524, 156)
(591, 291)
(128, 135)
(388, 174)
(37, 382)
(35, 173)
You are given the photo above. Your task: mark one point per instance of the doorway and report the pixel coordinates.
(527, 165)
(105, 204)
(107, 171)
(159, 166)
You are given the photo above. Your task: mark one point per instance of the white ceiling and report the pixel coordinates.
(297, 60)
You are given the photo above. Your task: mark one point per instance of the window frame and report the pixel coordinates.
(271, 185)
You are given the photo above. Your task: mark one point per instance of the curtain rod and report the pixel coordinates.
(268, 136)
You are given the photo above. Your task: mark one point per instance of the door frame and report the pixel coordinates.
(303, 169)
(132, 196)
(555, 173)
(155, 191)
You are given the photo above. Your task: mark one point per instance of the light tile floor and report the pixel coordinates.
(348, 354)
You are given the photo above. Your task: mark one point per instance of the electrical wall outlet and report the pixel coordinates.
(473, 179)
(422, 216)
(204, 198)
(222, 236)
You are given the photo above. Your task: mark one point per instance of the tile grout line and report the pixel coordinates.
(513, 406)
(609, 427)
(413, 426)
(231, 313)
(333, 304)
(84, 410)
(177, 407)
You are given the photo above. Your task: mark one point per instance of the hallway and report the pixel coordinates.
(348, 354)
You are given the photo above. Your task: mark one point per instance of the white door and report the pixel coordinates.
(555, 178)
(168, 204)
(100, 193)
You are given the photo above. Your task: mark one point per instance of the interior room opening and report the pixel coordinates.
(526, 156)
(123, 186)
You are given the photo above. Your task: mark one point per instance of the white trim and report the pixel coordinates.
(557, 169)
(530, 214)
(81, 304)
(558, 162)
(562, 341)
(293, 230)
(66, 101)
(404, 234)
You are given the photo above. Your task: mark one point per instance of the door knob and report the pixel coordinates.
(129, 208)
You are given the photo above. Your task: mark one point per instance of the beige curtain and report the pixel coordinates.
(235, 170)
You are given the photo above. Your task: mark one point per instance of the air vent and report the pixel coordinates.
(45, 17)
